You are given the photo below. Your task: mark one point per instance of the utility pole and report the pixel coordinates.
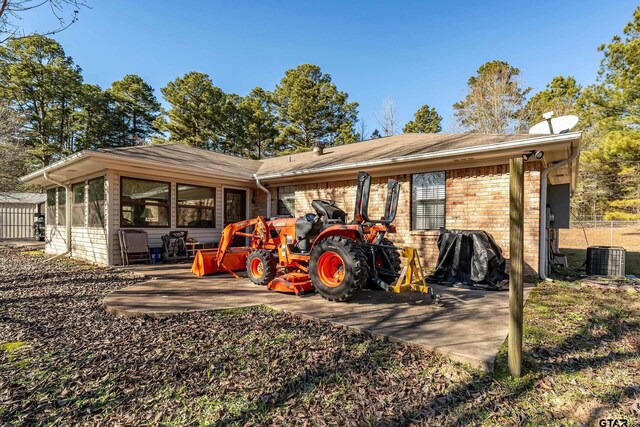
(516, 263)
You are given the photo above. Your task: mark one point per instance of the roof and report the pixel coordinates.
(388, 152)
(27, 198)
(184, 155)
(391, 147)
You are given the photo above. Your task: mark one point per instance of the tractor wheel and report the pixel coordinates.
(261, 267)
(394, 264)
(338, 268)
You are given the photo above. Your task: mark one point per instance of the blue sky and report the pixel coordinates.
(416, 52)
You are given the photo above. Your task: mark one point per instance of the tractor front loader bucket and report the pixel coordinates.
(206, 261)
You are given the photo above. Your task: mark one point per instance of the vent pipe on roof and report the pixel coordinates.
(318, 149)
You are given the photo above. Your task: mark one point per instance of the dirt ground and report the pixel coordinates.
(574, 243)
(627, 237)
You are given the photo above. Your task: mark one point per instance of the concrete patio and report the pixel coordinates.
(468, 326)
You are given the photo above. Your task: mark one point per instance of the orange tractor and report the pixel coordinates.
(320, 250)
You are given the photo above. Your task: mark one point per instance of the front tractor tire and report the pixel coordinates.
(261, 267)
(338, 268)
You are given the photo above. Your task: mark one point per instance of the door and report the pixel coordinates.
(235, 209)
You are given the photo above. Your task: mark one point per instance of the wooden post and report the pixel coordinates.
(516, 263)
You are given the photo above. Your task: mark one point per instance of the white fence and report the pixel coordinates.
(16, 220)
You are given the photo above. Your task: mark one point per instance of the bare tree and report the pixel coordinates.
(388, 119)
(362, 131)
(65, 13)
(495, 100)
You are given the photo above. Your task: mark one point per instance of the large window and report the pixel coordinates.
(428, 200)
(62, 206)
(96, 202)
(287, 201)
(144, 203)
(51, 206)
(77, 209)
(196, 206)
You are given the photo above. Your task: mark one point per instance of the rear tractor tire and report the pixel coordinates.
(261, 267)
(338, 268)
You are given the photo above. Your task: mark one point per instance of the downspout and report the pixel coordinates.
(67, 214)
(268, 193)
(542, 255)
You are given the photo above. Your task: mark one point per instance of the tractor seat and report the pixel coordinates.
(328, 212)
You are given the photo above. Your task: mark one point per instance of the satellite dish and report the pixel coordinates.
(555, 125)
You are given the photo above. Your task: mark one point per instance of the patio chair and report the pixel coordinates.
(134, 246)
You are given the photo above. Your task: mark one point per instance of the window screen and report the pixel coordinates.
(428, 200)
(62, 206)
(287, 201)
(196, 206)
(144, 203)
(51, 206)
(77, 209)
(96, 202)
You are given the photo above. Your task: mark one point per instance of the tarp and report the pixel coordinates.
(469, 257)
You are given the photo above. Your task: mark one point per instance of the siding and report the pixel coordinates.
(16, 220)
(87, 243)
(204, 235)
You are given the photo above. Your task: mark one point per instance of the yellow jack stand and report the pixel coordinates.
(411, 274)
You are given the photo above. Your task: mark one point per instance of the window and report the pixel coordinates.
(77, 209)
(428, 200)
(287, 200)
(196, 206)
(144, 203)
(96, 202)
(62, 204)
(51, 206)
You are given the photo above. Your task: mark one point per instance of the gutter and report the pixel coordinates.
(543, 260)
(268, 193)
(67, 213)
(489, 148)
(114, 158)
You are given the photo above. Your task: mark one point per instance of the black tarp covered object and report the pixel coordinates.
(469, 257)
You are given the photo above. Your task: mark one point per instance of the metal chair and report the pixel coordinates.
(134, 246)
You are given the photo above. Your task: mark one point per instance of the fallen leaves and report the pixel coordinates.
(79, 365)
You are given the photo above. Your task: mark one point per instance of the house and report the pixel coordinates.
(17, 214)
(457, 181)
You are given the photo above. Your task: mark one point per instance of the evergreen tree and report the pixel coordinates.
(196, 110)
(43, 86)
(260, 124)
(137, 107)
(560, 96)
(312, 109)
(611, 166)
(426, 120)
(97, 123)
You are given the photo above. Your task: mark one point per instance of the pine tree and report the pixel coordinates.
(426, 120)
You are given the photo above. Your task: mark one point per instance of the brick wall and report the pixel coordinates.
(476, 199)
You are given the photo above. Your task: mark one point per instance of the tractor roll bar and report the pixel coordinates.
(361, 211)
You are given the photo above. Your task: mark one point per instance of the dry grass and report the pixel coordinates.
(574, 243)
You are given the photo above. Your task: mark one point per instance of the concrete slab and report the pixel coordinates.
(468, 326)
